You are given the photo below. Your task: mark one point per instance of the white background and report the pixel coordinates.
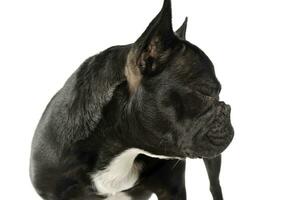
(255, 46)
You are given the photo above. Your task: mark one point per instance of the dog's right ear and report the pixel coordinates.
(181, 32)
(152, 49)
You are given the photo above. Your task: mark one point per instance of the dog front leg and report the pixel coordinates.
(176, 194)
(213, 167)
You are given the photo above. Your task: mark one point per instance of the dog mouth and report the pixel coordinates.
(212, 139)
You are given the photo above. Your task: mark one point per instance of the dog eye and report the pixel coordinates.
(210, 89)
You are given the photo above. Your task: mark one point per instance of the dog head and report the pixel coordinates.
(174, 93)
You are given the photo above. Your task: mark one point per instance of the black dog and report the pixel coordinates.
(124, 122)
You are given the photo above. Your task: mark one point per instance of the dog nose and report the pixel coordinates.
(225, 107)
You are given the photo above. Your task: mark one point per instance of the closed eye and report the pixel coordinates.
(211, 90)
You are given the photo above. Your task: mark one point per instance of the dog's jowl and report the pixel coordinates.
(124, 122)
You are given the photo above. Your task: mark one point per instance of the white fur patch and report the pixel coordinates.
(119, 196)
(122, 173)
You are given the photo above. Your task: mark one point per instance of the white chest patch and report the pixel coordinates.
(121, 174)
(119, 196)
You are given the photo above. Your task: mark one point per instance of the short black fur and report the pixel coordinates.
(159, 94)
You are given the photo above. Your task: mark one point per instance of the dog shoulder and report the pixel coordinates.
(74, 112)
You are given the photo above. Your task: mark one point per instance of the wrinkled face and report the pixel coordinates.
(174, 97)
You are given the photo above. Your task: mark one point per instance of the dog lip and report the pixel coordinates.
(225, 138)
(214, 136)
(217, 135)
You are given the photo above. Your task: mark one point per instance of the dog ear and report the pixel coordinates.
(152, 48)
(181, 32)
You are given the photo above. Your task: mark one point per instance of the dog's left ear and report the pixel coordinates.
(153, 47)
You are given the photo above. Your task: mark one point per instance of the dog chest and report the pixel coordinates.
(122, 172)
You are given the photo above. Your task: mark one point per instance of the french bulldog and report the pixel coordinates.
(124, 122)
